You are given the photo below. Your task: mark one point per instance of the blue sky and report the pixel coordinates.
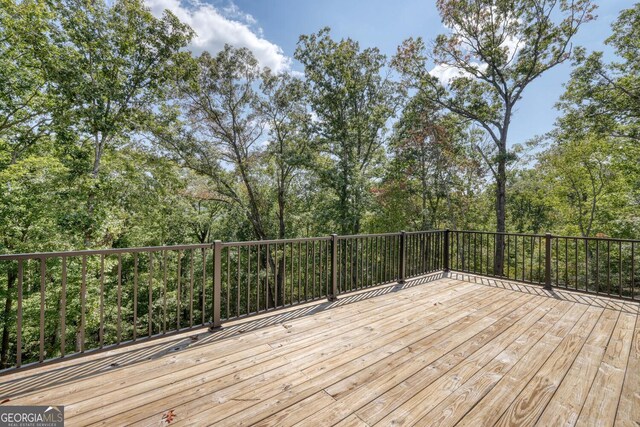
(272, 28)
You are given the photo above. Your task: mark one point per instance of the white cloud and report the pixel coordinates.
(445, 72)
(215, 27)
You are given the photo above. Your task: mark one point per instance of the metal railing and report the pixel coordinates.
(60, 304)
(595, 265)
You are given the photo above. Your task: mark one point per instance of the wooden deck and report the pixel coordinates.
(435, 351)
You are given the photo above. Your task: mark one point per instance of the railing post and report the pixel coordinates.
(334, 268)
(403, 256)
(217, 279)
(547, 261)
(446, 265)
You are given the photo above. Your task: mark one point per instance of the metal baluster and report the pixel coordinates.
(135, 296)
(63, 305)
(204, 285)
(150, 307)
(299, 257)
(266, 288)
(191, 277)
(119, 290)
(43, 272)
(620, 269)
(164, 292)
(83, 298)
(258, 281)
(238, 256)
(19, 317)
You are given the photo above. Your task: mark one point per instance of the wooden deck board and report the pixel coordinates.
(446, 351)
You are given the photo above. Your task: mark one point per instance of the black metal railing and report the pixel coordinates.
(595, 265)
(476, 252)
(59, 304)
(67, 303)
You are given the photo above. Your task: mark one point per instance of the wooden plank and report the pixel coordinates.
(250, 415)
(352, 421)
(227, 352)
(505, 390)
(340, 366)
(388, 376)
(566, 404)
(447, 404)
(154, 394)
(370, 350)
(602, 401)
(320, 401)
(461, 331)
(629, 407)
(531, 402)
(387, 402)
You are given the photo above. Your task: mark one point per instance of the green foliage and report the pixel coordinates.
(113, 135)
(352, 101)
(24, 103)
(495, 50)
(605, 98)
(434, 166)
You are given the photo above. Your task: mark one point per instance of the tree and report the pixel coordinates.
(216, 130)
(529, 201)
(284, 110)
(430, 153)
(495, 49)
(605, 98)
(588, 184)
(108, 67)
(30, 207)
(24, 103)
(352, 102)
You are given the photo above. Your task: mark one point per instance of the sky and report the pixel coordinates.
(270, 28)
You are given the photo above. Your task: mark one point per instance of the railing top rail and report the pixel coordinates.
(555, 236)
(603, 239)
(110, 251)
(498, 232)
(424, 232)
(357, 236)
(275, 241)
(115, 251)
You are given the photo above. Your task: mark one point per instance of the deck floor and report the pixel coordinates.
(435, 351)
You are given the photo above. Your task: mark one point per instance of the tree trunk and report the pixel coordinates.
(91, 199)
(501, 198)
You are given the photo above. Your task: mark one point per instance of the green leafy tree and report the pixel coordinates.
(530, 208)
(30, 207)
(283, 106)
(605, 98)
(495, 49)
(352, 101)
(589, 186)
(24, 103)
(214, 128)
(108, 67)
(431, 152)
